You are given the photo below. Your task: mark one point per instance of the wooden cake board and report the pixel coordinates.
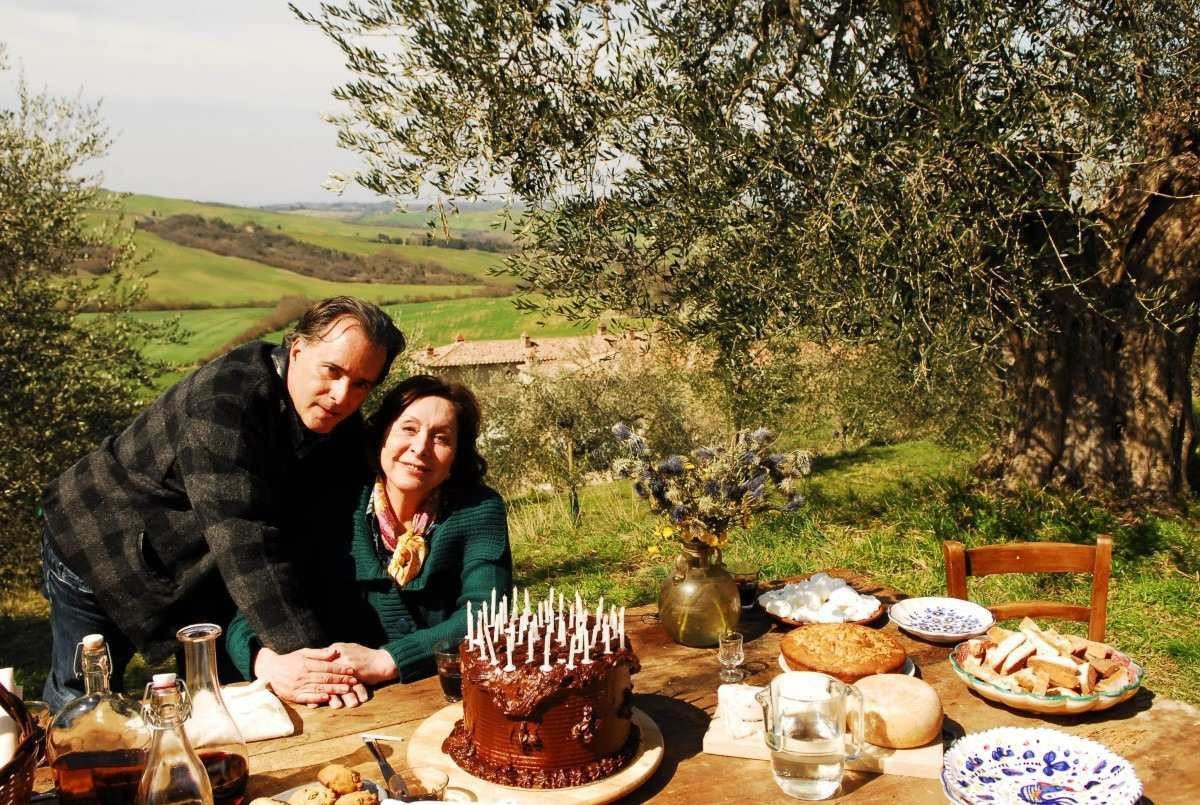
(426, 747)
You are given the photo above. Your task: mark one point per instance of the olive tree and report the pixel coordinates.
(1009, 183)
(67, 382)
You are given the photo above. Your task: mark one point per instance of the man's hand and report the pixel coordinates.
(371, 667)
(309, 676)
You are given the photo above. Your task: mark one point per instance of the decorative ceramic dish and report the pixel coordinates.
(941, 620)
(1033, 703)
(1022, 764)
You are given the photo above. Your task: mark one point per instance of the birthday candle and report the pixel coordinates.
(526, 602)
(491, 649)
(599, 609)
(493, 609)
(509, 641)
(571, 653)
(607, 636)
(550, 602)
(586, 643)
(622, 629)
(562, 628)
(561, 607)
(529, 650)
(546, 650)
(470, 625)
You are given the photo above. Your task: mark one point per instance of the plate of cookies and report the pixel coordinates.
(335, 784)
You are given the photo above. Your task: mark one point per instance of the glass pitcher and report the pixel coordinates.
(805, 716)
(211, 730)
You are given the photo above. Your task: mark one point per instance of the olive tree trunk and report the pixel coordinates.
(1102, 395)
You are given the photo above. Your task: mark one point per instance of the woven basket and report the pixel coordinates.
(16, 776)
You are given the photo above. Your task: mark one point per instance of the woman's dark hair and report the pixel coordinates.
(469, 467)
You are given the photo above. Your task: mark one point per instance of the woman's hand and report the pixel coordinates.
(371, 667)
(309, 676)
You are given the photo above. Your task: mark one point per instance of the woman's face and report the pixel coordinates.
(418, 449)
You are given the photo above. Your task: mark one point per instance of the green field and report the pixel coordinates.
(179, 275)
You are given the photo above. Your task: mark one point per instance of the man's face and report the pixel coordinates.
(329, 377)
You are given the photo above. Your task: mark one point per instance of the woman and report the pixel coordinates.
(428, 536)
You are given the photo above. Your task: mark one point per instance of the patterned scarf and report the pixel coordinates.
(407, 545)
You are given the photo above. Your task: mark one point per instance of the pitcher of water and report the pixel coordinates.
(813, 725)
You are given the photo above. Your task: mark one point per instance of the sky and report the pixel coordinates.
(213, 101)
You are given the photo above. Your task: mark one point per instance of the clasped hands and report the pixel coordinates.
(337, 675)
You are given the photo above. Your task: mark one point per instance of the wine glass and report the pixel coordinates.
(731, 655)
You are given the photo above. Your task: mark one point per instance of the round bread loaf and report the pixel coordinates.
(845, 651)
(900, 711)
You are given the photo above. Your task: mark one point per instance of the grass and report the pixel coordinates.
(179, 275)
(881, 511)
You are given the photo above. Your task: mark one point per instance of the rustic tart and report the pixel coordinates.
(845, 651)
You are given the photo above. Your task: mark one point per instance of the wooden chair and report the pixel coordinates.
(1036, 557)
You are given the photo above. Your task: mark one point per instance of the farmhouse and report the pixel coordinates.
(527, 357)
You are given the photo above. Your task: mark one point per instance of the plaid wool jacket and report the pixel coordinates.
(205, 504)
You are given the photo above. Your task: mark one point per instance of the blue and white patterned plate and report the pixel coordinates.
(1020, 764)
(941, 620)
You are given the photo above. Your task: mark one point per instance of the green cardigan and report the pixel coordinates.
(469, 556)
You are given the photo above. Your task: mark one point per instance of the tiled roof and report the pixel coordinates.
(518, 351)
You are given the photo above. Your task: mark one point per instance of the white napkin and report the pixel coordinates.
(8, 728)
(258, 713)
(740, 711)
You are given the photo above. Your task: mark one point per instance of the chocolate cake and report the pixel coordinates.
(537, 724)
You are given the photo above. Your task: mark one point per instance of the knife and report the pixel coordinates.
(390, 778)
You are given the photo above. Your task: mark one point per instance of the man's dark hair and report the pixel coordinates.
(378, 326)
(469, 467)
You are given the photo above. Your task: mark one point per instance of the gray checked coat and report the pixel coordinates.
(205, 504)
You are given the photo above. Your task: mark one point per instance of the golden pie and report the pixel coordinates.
(845, 651)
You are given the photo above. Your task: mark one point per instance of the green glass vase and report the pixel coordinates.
(699, 599)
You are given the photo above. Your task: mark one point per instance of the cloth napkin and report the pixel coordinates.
(8, 728)
(257, 711)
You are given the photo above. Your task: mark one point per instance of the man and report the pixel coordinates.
(207, 501)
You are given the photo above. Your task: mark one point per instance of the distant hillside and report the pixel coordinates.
(273, 247)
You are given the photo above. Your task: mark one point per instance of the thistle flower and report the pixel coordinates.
(714, 488)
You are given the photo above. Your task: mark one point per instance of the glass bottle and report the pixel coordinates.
(174, 774)
(212, 731)
(97, 743)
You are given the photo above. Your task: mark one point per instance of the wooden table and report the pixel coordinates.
(677, 688)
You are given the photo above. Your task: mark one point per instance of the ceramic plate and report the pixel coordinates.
(1056, 705)
(941, 620)
(368, 784)
(1020, 764)
(909, 666)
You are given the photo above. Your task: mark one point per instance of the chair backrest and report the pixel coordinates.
(1036, 557)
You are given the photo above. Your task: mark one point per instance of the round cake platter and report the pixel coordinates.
(426, 747)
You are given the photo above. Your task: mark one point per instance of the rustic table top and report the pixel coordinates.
(677, 688)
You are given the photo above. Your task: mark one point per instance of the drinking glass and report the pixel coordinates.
(449, 669)
(419, 784)
(746, 578)
(731, 655)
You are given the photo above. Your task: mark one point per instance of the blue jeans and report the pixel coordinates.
(74, 612)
